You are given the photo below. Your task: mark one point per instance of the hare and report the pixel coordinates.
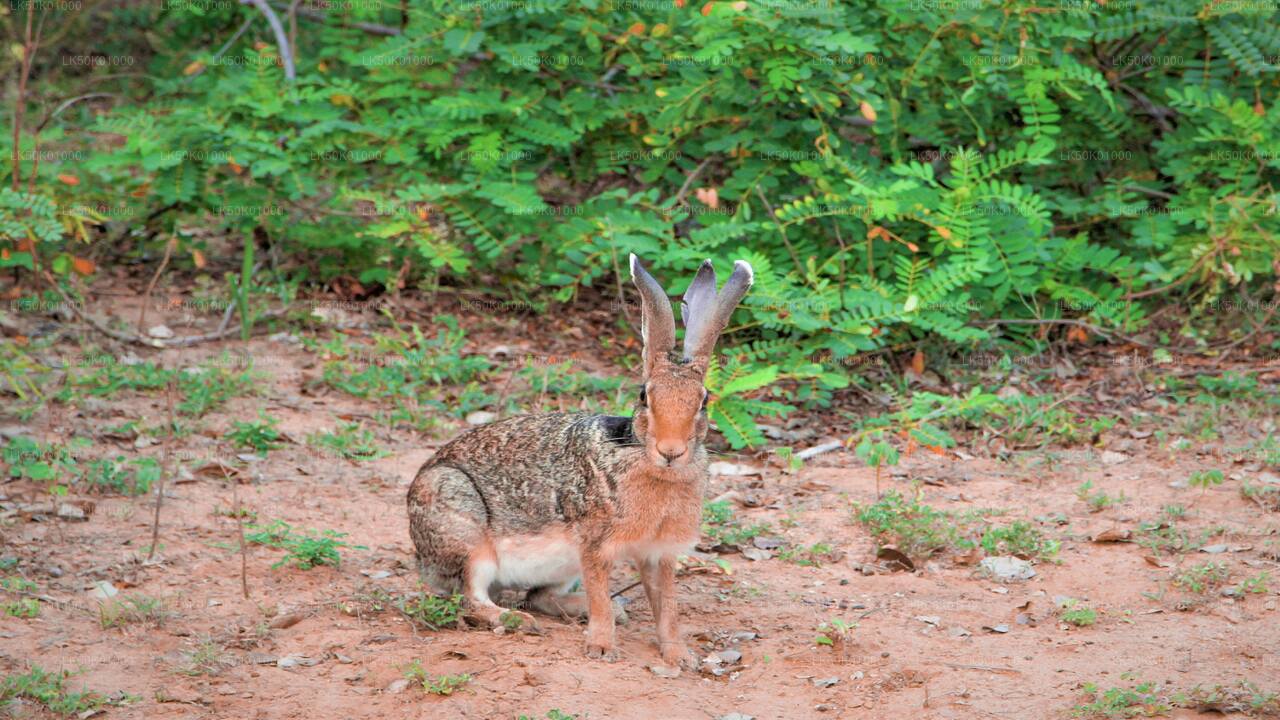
(538, 502)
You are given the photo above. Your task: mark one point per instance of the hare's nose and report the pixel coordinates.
(671, 450)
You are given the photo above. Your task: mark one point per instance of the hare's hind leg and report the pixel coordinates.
(447, 520)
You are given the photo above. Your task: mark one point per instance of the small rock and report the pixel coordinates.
(958, 631)
(1140, 434)
(1214, 549)
(53, 571)
(258, 658)
(730, 656)
(768, 543)
(292, 661)
(481, 417)
(376, 574)
(67, 511)
(288, 620)
(103, 590)
(825, 682)
(1110, 457)
(144, 441)
(1001, 628)
(396, 686)
(755, 553)
(160, 331)
(736, 716)
(663, 671)
(284, 337)
(728, 468)
(248, 457)
(742, 635)
(929, 619)
(1008, 568)
(1008, 391)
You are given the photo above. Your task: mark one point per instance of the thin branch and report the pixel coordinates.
(783, 230)
(684, 189)
(68, 103)
(146, 298)
(282, 40)
(165, 468)
(372, 28)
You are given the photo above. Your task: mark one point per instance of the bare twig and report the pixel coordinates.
(20, 102)
(783, 231)
(819, 449)
(146, 298)
(235, 502)
(68, 103)
(688, 182)
(372, 28)
(282, 40)
(165, 469)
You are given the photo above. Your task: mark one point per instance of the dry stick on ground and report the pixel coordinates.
(235, 502)
(151, 286)
(165, 469)
(782, 230)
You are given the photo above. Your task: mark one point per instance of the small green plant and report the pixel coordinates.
(1097, 501)
(1021, 539)
(1202, 578)
(21, 608)
(304, 550)
(260, 435)
(914, 528)
(552, 714)
(27, 458)
(206, 657)
(432, 611)
(835, 631)
(1074, 613)
(1242, 697)
(352, 441)
(1167, 537)
(132, 610)
(1205, 479)
(121, 476)
(50, 690)
(1174, 512)
(720, 527)
(435, 684)
(1266, 496)
(811, 556)
(1142, 700)
(1256, 585)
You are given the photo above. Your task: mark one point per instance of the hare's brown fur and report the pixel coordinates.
(537, 501)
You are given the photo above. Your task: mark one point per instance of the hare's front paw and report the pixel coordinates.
(675, 654)
(602, 651)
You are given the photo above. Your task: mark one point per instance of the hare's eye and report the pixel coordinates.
(644, 396)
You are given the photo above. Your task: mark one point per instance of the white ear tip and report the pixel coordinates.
(751, 274)
(634, 262)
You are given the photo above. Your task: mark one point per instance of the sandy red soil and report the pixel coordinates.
(897, 664)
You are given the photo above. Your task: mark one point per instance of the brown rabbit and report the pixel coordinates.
(538, 501)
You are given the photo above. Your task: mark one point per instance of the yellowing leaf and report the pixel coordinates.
(660, 92)
(198, 258)
(636, 29)
(706, 9)
(343, 100)
(68, 179)
(193, 68)
(867, 111)
(945, 232)
(659, 30)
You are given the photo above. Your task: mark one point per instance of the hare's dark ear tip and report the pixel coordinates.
(707, 264)
(745, 267)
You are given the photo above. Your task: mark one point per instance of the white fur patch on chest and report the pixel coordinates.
(530, 561)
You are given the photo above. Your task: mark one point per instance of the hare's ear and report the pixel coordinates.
(706, 317)
(657, 324)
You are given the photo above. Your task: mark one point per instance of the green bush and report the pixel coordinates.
(894, 171)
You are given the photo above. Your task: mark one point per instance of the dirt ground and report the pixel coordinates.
(942, 641)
